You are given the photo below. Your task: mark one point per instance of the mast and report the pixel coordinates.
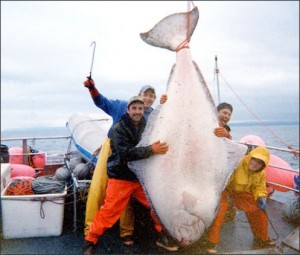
(217, 74)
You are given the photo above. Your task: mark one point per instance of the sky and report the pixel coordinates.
(46, 55)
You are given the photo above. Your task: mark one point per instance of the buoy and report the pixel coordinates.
(252, 139)
(22, 170)
(279, 176)
(62, 174)
(39, 160)
(74, 162)
(15, 155)
(83, 171)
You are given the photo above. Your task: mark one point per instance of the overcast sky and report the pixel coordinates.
(46, 56)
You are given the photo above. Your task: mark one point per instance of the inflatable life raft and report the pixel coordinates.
(88, 132)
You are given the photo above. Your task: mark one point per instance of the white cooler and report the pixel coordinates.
(32, 215)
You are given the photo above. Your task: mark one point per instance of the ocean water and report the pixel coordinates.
(278, 135)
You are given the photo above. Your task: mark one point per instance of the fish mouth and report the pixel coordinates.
(188, 229)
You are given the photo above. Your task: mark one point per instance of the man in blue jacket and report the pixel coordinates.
(114, 108)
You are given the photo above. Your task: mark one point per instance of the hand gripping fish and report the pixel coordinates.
(184, 186)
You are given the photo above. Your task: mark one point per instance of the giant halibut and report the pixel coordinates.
(184, 185)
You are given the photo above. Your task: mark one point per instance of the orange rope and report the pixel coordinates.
(185, 43)
(182, 45)
(19, 187)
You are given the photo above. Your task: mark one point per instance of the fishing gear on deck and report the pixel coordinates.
(84, 171)
(47, 185)
(64, 173)
(20, 187)
(31, 186)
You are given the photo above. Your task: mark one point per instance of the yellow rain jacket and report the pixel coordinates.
(245, 180)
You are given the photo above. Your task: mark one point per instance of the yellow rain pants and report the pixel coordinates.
(97, 194)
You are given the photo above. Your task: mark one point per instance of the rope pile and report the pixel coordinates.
(40, 185)
(20, 187)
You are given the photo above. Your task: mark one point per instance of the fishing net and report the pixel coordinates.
(47, 185)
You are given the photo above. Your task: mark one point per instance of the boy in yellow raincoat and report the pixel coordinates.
(247, 190)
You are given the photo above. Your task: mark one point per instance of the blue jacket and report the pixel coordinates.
(115, 108)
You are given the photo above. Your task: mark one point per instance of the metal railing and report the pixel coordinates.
(24, 144)
(296, 157)
(25, 140)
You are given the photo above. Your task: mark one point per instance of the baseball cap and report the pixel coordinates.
(224, 105)
(135, 99)
(147, 87)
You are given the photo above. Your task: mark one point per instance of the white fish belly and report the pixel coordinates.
(184, 185)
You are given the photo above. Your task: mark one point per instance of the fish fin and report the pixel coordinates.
(170, 76)
(171, 31)
(189, 201)
(235, 153)
(137, 167)
(204, 86)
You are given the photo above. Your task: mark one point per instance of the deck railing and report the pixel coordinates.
(24, 145)
(295, 154)
(25, 140)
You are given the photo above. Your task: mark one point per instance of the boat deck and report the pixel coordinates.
(236, 237)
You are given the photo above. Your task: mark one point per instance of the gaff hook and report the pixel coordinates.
(93, 43)
(271, 223)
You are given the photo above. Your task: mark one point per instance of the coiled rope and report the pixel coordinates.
(20, 187)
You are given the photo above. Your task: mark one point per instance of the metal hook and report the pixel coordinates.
(93, 43)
